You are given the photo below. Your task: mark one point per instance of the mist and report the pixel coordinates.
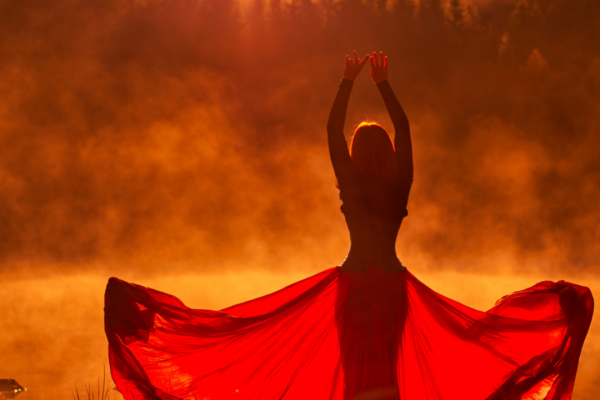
(154, 139)
(193, 131)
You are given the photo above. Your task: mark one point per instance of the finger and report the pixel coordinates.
(364, 60)
(375, 59)
(381, 58)
(385, 62)
(355, 57)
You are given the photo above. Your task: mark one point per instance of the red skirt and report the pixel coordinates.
(348, 336)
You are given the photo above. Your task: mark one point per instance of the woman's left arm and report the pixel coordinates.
(402, 140)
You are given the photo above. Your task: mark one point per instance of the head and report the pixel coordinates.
(372, 151)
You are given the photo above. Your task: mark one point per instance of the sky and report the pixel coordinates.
(152, 139)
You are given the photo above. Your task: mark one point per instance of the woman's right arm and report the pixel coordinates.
(338, 148)
(402, 141)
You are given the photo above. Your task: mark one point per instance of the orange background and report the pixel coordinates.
(181, 144)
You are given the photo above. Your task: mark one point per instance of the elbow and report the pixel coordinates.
(409, 174)
(332, 127)
(333, 130)
(405, 126)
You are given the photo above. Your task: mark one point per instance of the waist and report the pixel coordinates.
(358, 261)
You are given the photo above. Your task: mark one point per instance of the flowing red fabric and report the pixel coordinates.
(342, 335)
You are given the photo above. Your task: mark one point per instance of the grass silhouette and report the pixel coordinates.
(100, 393)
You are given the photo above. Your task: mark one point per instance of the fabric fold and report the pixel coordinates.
(339, 335)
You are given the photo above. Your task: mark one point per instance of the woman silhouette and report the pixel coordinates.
(365, 330)
(374, 179)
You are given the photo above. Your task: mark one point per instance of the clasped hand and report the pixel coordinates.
(379, 70)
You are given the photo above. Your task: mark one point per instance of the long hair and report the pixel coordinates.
(372, 151)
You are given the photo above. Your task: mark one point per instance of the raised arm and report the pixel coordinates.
(338, 148)
(402, 142)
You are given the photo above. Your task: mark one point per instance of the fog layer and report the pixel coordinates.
(178, 134)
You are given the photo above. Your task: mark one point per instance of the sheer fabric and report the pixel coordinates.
(340, 335)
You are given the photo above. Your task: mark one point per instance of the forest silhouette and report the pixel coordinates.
(195, 130)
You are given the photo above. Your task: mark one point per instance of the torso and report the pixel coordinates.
(374, 210)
